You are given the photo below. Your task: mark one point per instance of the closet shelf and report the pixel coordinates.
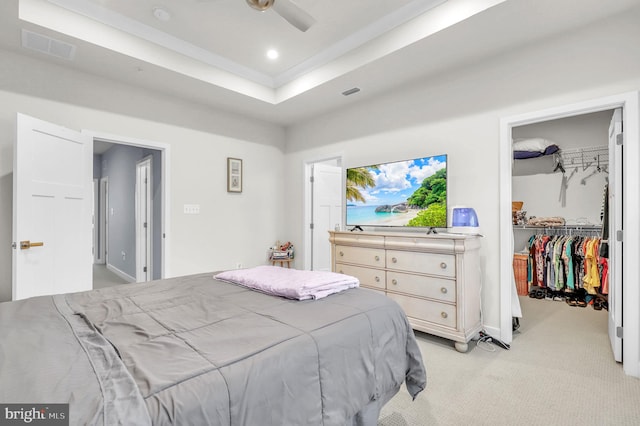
(596, 156)
(575, 230)
(568, 227)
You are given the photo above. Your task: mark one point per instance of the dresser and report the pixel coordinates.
(435, 278)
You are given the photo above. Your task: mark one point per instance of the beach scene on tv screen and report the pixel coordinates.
(402, 193)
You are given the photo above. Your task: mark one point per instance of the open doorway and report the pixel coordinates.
(131, 214)
(623, 311)
(560, 224)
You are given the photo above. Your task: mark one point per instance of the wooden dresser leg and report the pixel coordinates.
(462, 347)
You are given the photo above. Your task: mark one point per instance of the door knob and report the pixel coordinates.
(28, 244)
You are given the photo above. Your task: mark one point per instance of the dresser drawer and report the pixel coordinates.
(360, 255)
(419, 285)
(424, 263)
(368, 277)
(438, 313)
(429, 245)
(357, 239)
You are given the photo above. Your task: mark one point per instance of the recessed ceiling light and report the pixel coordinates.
(161, 14)
(272, 54)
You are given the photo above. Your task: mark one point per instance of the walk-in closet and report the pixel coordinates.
(561, 211)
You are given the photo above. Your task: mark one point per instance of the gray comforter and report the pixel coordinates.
(193, 350)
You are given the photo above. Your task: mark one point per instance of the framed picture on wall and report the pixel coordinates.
(234, 175)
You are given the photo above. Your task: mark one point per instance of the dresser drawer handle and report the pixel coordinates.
(341, 253)
(377, 279)
(444, 315)
(394, 281)
(443, 265)
(394, 260)
(377, 258)
(443, 290)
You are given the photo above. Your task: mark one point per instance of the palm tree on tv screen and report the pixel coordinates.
(359, 177)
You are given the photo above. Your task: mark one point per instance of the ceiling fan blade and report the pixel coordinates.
(293, 14)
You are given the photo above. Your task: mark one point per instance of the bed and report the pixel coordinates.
(196, 350)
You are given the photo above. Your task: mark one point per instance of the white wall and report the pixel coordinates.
(459, 114)
(200, 140)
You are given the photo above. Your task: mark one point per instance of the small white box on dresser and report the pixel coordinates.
(434, 278)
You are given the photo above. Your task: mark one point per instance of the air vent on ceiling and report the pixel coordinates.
(351, 91)
(48, 45)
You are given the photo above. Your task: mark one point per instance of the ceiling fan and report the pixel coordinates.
(290, 11)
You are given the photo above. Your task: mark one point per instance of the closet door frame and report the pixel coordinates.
(629, 102)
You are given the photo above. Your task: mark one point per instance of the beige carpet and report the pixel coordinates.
(559, 371)
(102, 277)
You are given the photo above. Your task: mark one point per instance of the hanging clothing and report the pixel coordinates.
(567, 263)
(592, 272)
(540, 261)
(604, 216)
(532, 276)
(604, 273)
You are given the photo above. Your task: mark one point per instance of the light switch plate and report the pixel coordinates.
(192, 209)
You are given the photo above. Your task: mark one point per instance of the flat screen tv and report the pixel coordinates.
(411, 193)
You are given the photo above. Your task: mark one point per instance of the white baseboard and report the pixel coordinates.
(493, 331)
(121, 274)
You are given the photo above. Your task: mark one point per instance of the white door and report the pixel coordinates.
(143, 220)
(52, 203)
(103, 216)
(326, 212)
(615, 246)
(94, 221)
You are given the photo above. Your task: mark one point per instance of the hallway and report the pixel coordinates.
(102, 277)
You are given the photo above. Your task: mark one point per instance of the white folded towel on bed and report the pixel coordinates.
(290, 283)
